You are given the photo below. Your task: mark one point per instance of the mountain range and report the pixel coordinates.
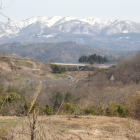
(106, 34)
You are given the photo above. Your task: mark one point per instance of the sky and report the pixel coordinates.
(103, 9)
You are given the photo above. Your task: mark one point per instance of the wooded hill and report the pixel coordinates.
(58, 52)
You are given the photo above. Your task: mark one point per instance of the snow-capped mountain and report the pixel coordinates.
(55, 29)
(122, 27)
(73, 25)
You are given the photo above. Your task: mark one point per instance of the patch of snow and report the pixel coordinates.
(51, 21)
(66, 19)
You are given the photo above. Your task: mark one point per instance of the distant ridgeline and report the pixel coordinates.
(94, 58)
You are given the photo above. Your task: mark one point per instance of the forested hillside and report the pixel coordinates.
(59, 52)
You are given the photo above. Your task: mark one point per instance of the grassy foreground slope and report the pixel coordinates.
(72, 128)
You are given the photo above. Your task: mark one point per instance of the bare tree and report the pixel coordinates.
(4, 16)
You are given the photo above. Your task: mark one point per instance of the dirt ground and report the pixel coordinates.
(73, 128)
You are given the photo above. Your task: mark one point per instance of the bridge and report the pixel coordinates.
(79, 66)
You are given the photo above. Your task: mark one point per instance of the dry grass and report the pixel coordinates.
(79, 74)
(76, 128)
(59, 76)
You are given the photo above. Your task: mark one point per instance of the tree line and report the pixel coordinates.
(94, 58)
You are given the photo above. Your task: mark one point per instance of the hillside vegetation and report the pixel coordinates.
(100, 91)
(28, 89)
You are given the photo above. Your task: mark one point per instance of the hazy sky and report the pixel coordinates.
(104, 9)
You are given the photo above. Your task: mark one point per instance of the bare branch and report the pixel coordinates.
(6, 6)
(1, 8)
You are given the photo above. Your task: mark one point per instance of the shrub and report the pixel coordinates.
(57, 100)
(35, 107)
(90, 109)
(68, 97)
(122, 110)
(21, 92)
(10, 104)
(112, 110)
(12, 96)
(115, 109)
(101, 109)
(69, 108)
(133, 103)
(48, 110)
(58, 68)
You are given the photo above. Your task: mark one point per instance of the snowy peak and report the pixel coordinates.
(96, 22)
(93, 20)
(49, 21)
(119, 26)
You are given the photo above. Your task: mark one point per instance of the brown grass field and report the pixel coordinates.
(71, 128)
